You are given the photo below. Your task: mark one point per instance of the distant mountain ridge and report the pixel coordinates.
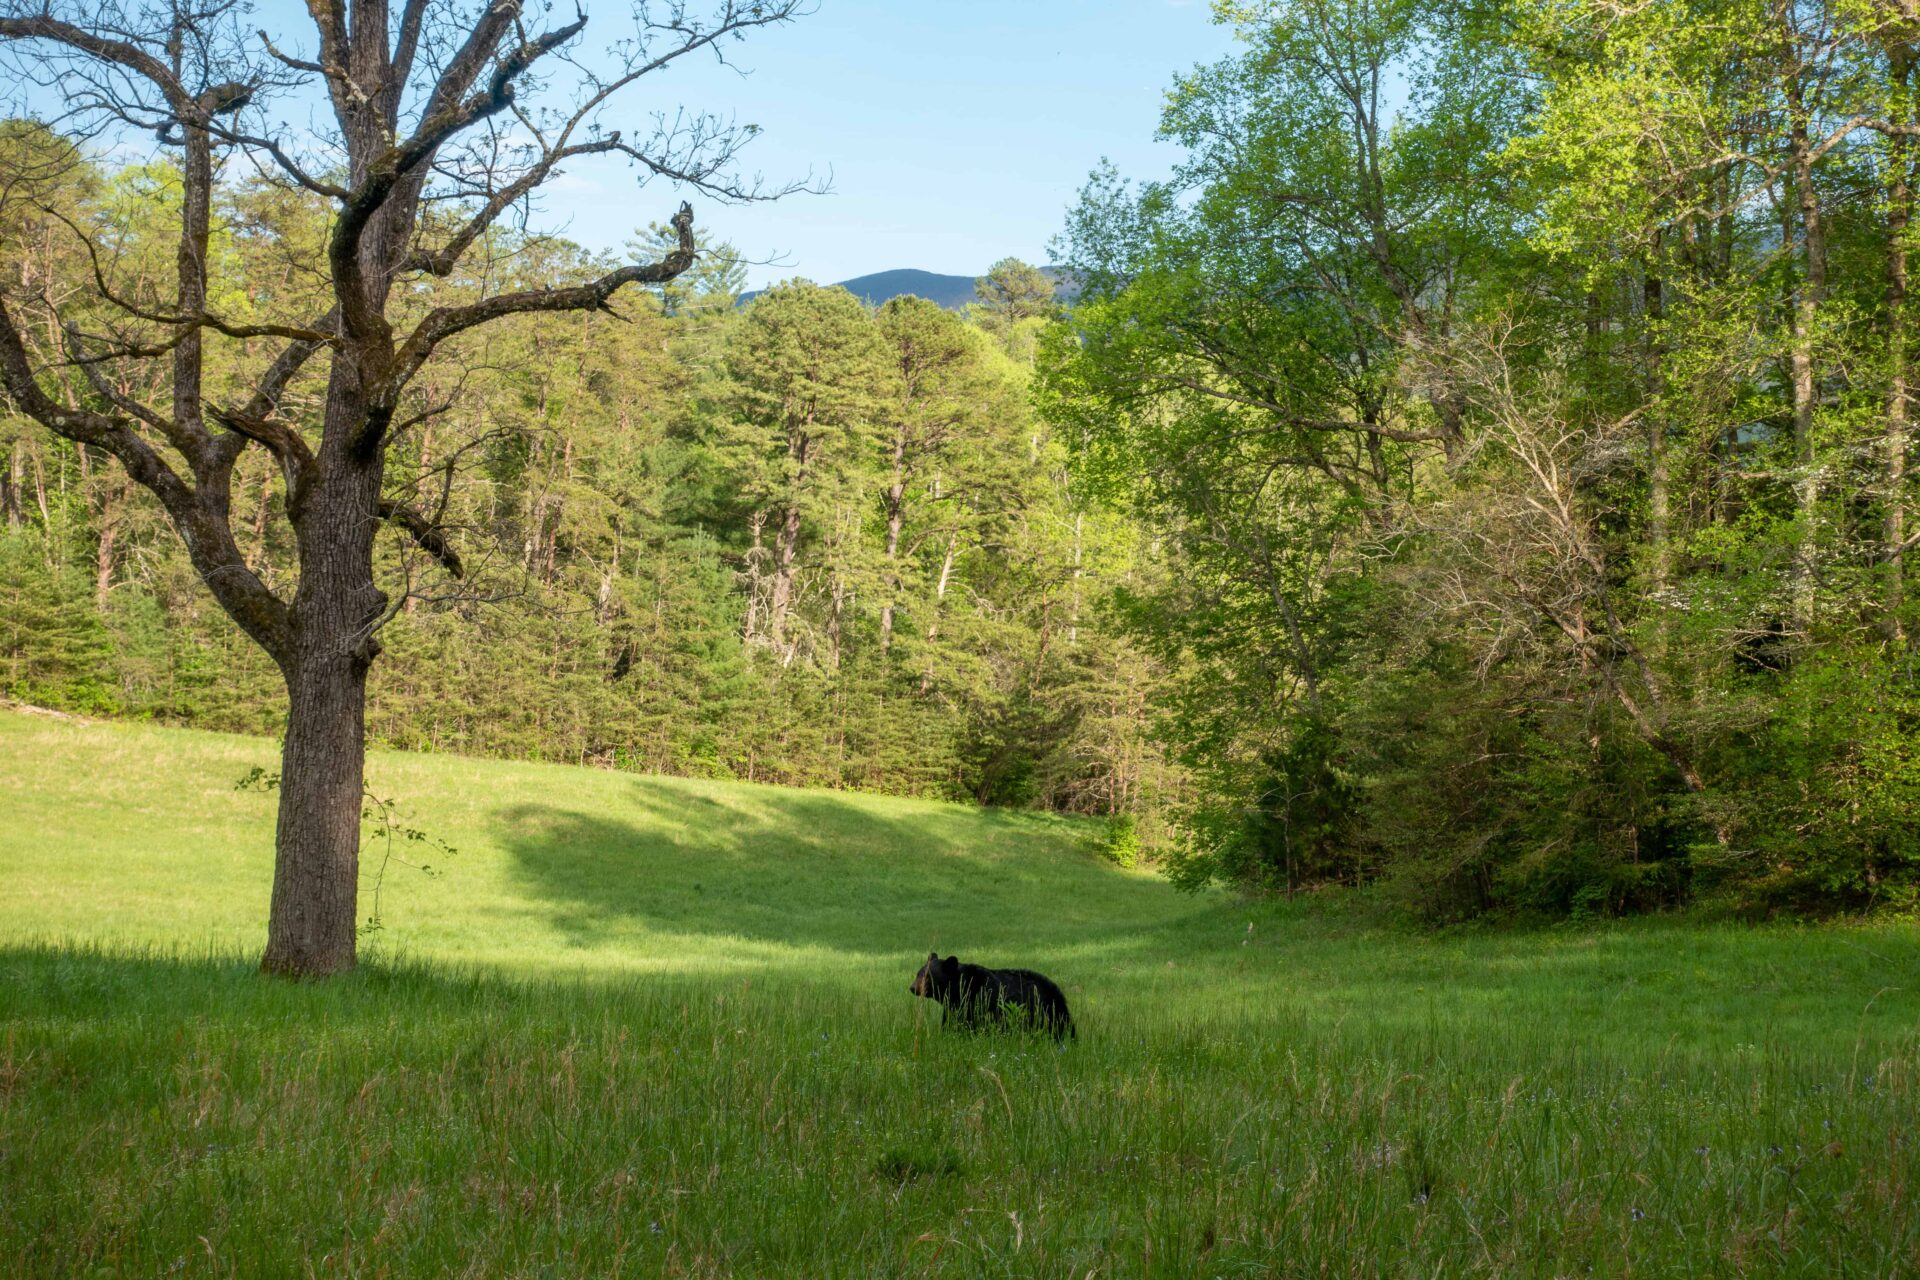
(951, 292)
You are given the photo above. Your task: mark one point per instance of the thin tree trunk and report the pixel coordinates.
(103, 555)
(12, 505)
(1659, 498)
(1073, 613)
(756, 553)
(257, 554)
(940, 586)
(1899, 214)
(1806, 314)
(834, 621)
(412, 603)
(40, 490)
(786, 540)
(896, 510)
(939, 600)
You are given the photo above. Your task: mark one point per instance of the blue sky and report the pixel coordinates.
(956, 131)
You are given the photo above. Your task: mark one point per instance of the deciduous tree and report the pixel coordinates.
(440, 118)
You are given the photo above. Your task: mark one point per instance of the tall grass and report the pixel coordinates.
(646, 1028)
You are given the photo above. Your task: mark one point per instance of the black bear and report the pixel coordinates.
(976, 996)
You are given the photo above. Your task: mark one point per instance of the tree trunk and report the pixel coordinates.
(1659, 498)
(939, 602)
(103, 555)
(412, 603)
(316, 874)
(756, 555)
(1073, 614)
(1899, 214)
(940, 586)
(12, 506)
(896, 516)
(786, 540)
(316, 869)
(40, 491)
(834, 618)
(1806, 312)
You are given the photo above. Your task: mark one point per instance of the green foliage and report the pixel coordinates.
(801, 542)
(1531, 454)
(54, 652)
(1120, 843)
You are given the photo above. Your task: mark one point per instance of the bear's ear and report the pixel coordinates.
(933, 955)
(953, 960)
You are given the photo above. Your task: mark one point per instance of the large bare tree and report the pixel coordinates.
(421, 123)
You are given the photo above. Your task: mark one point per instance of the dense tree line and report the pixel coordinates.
(803, 542)
(1482, 468)
(1525, 392)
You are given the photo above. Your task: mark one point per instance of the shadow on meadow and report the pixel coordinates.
(803, 869)
(772, 876)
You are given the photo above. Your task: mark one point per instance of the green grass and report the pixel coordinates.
(648, 1027)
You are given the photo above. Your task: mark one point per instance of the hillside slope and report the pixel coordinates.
(132, 837)
(137, 833)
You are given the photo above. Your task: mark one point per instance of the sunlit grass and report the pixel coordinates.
(650, 1027)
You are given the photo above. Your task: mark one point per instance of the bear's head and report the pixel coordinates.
(935, 976)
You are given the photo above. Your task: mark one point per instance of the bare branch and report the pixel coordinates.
(121, 53)
(209, 541)
(444, 322)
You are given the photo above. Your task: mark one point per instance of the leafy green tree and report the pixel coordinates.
(938, 390)
(797, 427)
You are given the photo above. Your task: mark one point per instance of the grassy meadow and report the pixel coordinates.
(652, 1027)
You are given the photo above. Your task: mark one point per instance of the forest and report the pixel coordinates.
(1479, 470)
(662, 566)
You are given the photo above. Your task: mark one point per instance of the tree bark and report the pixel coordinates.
(940, 586)
(316, 871)
(311, 925)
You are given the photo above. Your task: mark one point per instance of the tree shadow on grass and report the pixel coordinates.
(850, 874)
